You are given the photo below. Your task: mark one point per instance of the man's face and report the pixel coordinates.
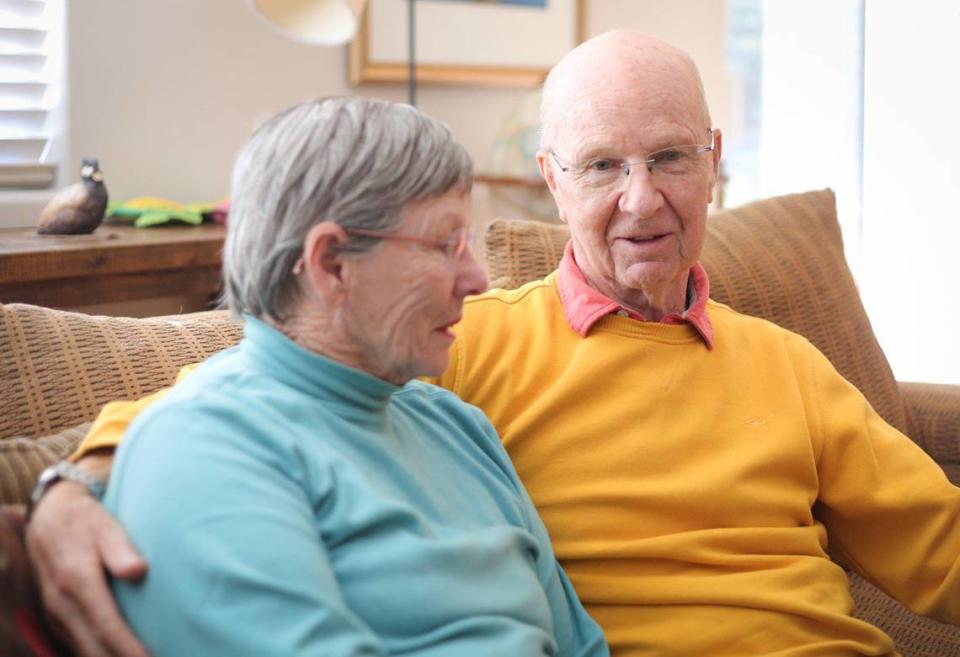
(643, 232)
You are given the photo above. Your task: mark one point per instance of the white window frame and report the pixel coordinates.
(31, 86)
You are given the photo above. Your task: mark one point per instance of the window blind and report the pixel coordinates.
(28, 92)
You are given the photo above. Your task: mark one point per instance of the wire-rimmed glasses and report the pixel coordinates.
(603, 173)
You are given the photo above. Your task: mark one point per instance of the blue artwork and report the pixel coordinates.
(522, 3)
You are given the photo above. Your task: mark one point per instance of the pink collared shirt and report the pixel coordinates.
(583, 305)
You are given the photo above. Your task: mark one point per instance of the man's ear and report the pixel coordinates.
(321, 265)
(717, 152)
(547, 171)
(543, 162)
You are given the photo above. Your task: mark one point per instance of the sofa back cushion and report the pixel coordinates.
(58, 368)
(779, 258)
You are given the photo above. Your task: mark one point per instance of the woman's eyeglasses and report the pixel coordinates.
(453, 247)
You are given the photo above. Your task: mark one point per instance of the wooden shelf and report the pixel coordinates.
(116, 263)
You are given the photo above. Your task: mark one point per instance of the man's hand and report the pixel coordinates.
(71, 539)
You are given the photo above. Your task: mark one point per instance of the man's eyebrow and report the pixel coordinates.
(593, 151)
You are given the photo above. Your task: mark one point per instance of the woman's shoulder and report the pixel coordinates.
(221, 409)
(439, 407)
(425, 396)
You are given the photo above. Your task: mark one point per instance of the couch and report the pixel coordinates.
(780, 258)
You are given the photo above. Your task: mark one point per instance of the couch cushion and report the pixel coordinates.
(914, 636)
(22, 459)
(779, 258)
(58, 368)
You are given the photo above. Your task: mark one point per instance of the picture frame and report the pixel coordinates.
(468, 42)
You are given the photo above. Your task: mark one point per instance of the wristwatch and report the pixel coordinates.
(58, 472)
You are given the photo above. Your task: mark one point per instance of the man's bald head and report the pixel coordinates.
(626, 65)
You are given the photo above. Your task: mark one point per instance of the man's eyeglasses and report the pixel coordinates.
(603, 173)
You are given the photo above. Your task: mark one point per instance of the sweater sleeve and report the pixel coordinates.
(576, 633)
(114, 418)
(237, 565)
(890, 510)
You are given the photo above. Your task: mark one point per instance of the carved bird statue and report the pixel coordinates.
(77, 209)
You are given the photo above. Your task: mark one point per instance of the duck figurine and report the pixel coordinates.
(77, 209)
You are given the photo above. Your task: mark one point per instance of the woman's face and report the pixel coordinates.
(404, 296)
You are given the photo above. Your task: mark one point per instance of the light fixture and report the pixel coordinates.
(317, 22)
(331, 23)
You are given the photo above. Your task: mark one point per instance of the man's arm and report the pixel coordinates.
(72, 540)
(890, 510)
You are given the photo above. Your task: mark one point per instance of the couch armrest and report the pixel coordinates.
(935, 410)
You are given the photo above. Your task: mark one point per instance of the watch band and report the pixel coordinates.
(58, 472)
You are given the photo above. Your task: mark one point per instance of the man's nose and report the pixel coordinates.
(639, 195)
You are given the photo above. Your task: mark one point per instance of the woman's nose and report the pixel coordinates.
(471, 278)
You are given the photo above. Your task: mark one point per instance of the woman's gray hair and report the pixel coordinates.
(353, 161)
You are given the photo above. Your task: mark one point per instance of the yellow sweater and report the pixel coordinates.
(678, 483)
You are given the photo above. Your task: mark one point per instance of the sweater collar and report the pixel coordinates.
(270, 351)
(583, 306)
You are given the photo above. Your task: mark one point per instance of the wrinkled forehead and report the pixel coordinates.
(626, 124)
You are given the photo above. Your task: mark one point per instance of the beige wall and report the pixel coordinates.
(166, 92)
(697, 26)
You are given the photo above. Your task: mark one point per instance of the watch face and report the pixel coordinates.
(47, 478)
(49, 475)
(64, 470)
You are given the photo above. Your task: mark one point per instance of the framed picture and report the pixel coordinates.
(486, 42)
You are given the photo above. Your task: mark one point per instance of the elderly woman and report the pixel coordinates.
(301, 493)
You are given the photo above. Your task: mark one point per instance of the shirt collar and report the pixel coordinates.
(583, 305)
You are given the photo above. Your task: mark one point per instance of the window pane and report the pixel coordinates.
(797, 74)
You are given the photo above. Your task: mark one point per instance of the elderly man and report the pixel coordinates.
(691, 463)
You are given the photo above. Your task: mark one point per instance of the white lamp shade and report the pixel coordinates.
(317, 22)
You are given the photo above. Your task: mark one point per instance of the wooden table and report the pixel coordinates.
(116, 263)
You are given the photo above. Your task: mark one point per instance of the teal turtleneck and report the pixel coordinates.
(290, 505)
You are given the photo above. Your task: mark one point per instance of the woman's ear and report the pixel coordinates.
(320, 268)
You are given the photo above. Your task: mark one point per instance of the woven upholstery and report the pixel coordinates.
(521, 251)
(935, 411)
(57, 369)
(914, 636)
(22, 459)
(780, 258)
